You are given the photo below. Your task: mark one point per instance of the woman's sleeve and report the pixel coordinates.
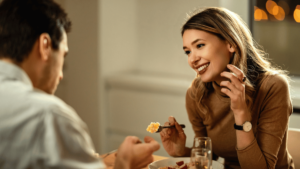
(194, 117)
(272, 126)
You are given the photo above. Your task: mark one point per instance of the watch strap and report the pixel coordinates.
(237, 127)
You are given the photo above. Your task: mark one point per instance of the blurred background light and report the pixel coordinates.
(285, 6)
(272, 7)
(259, 14)
(275, 10)
(280, 13)
(297, 14)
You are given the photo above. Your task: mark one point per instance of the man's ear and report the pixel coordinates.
(45, 46)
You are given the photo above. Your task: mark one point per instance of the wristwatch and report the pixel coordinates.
(247, 126)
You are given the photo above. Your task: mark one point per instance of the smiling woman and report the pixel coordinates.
(207, 54)
(238, 98)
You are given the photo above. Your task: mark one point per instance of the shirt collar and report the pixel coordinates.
(12, 71)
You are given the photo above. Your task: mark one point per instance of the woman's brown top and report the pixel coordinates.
(270, 116)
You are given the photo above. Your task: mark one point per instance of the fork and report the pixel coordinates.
(107, 154)
(160, 128)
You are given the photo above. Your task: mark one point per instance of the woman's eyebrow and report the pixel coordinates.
(195, 41)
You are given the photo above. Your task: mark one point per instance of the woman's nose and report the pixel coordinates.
(194, 58)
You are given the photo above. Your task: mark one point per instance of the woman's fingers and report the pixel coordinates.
(177, 126)
(234, 81)
(227, 92)
(167, 131)
(180, 130)
(172, 120)
(165, 135)
(162, 135)
(233, 78)
(232, 88)
(239, 73)
(227, 84)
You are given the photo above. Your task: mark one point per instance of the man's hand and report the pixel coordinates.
(133, 154)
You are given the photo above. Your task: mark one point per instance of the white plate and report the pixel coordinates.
(172, 161)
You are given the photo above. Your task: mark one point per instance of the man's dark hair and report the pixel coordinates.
(23, 21)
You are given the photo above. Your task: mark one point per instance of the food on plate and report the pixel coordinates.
(179, 165)
(153, 127)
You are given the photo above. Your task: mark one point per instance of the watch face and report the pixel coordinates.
(247, 126)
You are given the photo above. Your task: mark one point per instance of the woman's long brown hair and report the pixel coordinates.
(249, 57)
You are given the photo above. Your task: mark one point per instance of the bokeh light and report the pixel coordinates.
(275, 10)
(297, 14)
(285, 6)
(270, 5)
(259, 14)
(280, 14)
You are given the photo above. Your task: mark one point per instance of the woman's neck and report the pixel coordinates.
(217, 84)
(219, 80)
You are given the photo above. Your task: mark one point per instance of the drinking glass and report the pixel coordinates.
(201, 154)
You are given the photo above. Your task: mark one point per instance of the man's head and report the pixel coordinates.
(33, 36)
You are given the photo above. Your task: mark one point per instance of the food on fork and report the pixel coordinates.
(153, 127)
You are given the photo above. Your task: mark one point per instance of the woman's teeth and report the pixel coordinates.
(202, 67)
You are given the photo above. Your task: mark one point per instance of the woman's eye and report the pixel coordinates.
(187, 52)
(200, 45)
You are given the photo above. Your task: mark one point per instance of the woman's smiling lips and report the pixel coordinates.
(202, 68)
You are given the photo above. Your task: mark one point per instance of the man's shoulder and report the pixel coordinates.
(39, 105)
(50, 103)
(45, 99)
(17, 97)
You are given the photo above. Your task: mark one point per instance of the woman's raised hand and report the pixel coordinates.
(235, 89)
(173, 139)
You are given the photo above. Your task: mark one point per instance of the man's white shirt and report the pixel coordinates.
(38, 130)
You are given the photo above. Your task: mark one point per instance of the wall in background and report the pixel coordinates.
(80, 86)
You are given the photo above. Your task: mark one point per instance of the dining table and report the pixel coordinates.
(110, 160)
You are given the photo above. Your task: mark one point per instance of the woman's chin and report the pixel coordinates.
(206, 80)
